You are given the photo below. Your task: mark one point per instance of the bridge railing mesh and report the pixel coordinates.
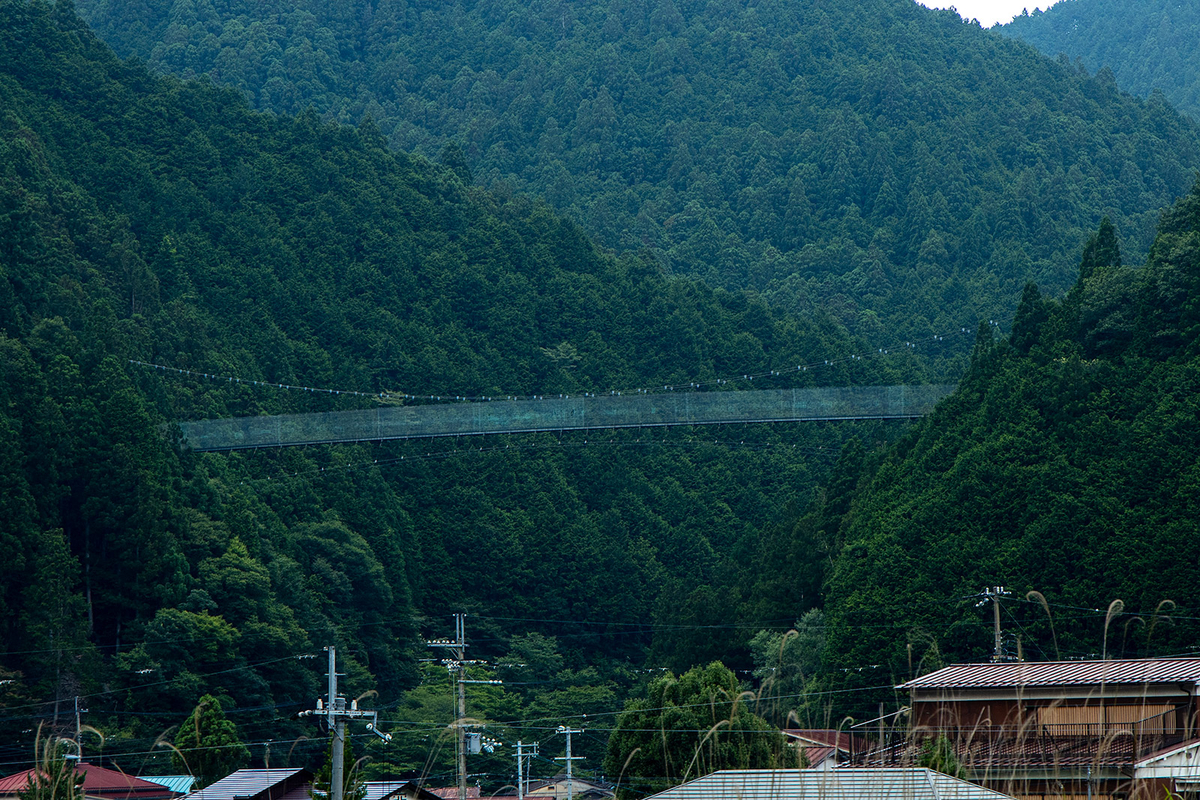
(562, 414)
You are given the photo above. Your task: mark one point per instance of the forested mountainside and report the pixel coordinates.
(1147, 45)
(144, 218)
(890, 163)
(1066, 463)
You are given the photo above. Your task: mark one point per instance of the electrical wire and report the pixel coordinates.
(691, 385)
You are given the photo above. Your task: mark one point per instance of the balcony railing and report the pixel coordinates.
(1029, 745)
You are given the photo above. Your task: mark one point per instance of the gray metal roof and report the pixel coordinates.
(247, 783)
(848, 783)
(1060, 673)
(377, 790)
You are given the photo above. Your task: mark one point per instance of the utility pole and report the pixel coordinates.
(570, 784)
(335, 712)
(458, 646)
(337, 723)
(993, 594)
(78, 757)
(523, 757)
(458, 668)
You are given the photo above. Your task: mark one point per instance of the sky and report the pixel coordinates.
(989, 12)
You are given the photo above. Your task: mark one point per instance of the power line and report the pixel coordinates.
(385, 396)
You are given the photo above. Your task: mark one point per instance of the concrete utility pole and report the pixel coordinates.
(458, 668)
(570, 783)
(458, 646)
(337, 723)
(993, 594)
(335, 712)
(78, 756)
(523, 757)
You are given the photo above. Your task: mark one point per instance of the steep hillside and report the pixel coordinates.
(889, 163)
(148, 219)
(1066, 463)
(1148, 45)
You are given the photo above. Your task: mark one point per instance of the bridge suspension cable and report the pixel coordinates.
(385, 395)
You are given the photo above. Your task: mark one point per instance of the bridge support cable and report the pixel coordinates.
(829, 403)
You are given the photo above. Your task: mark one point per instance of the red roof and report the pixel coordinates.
(451, 792)
(1060, 673)
(816, 755)
(98, 782)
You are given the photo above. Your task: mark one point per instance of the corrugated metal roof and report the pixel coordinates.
(176, 783)
(1060, 673)
(247, 783)
(377, 790)
(843, 740)
(842, 783)
(816, 754)
(97, 781)
(448, 792)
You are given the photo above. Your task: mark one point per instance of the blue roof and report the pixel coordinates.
(176, 783)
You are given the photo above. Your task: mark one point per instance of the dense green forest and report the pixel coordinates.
(1147, 45)
(875, 182)
(887, 163)
(1065, 464)
(145, 218)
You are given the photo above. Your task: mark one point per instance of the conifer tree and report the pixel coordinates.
(208, 744)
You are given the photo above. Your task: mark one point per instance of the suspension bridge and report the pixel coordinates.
(582, 413)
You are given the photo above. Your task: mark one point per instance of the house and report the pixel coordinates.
(411, 790)
(259, 784)
(581, 788)
(1118, 728)
(451, 792)
(98, 782)
(821, 747)
(296, 784)
(843, 783)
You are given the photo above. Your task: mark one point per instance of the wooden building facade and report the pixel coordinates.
(1067, 730)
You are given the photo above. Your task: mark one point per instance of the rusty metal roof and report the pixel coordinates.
(843, 740)
(1060, 673)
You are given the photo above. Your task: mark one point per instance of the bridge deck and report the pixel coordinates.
(566, 414)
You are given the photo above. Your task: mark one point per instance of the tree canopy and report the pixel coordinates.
(208, 745)
(895, 166)
(1062, 468)
(1145, 45)
(152, 221)
(688, 726)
